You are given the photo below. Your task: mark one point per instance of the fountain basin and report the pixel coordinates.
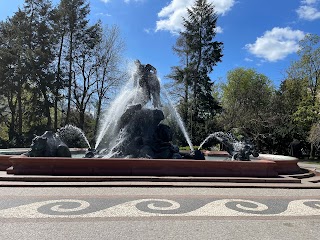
(5, 162)
(284, 164)
(139, 167)
(6, 154)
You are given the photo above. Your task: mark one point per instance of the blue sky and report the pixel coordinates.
(259, 34)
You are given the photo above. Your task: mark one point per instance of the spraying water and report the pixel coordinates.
(108, 127)
(71, 132)
(221, 136)
(108, 124)
(179, 120)
(207, 139)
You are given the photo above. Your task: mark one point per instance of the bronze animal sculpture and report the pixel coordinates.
(48, 145)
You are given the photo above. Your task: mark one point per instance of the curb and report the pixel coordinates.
(159, 185)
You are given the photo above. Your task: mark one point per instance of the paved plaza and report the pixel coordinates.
(159, 213)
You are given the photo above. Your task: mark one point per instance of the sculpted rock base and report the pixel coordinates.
(145, 136)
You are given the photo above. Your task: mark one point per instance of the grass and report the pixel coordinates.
(187, 148)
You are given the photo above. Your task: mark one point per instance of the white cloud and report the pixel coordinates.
(171, 16)
(308, 13)
(147, 30)
(105, 1)
(309, 1)
(308, 10)
(276, 44)
(219, 29)
(103, 14)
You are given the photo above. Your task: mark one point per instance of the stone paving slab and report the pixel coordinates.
(128, 206)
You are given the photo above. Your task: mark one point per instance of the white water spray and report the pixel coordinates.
(219, 136)
(72, 131)
(129, 95)
(179, 120)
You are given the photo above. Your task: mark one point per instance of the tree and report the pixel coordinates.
(13, 71)
(200, 54)
(83, 84)
(246, 102)
(283, 127)
(75, 13)
(108, 57)
(40, 58)
(181, 78)
(307, 70)
(308, 66)
(60, 34)
(47, 54)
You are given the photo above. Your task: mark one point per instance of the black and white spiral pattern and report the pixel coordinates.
(197, 207)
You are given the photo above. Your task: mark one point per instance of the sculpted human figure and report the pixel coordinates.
(146, 77)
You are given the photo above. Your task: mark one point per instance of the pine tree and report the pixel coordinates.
(40, 58)
(13, 72)
(181, 76)
(203, 55)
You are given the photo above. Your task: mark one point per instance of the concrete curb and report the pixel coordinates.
(160, 184)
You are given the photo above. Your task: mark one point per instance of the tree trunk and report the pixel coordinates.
(47, 110)
(186, 100)
(312, 151)
(19, 98)
(58, 85)
(98, 116)
(81, 118)
(70, 78)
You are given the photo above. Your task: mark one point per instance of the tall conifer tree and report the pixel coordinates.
(203, 54)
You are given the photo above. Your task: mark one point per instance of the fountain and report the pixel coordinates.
(132, 126)
(238, 150)
(133, 140)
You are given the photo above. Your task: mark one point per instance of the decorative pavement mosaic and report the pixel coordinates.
(154, 207)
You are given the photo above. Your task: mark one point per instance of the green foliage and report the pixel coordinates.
(307, 68)
(187, 148)
(204, 54)
(246, 96)
(50, 60)
(198, 55)
(307, 113)
(314, 136)
(304, 75)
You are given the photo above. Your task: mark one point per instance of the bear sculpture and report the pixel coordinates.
(48, 145)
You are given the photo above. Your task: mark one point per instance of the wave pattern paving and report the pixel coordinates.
(157, 207)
